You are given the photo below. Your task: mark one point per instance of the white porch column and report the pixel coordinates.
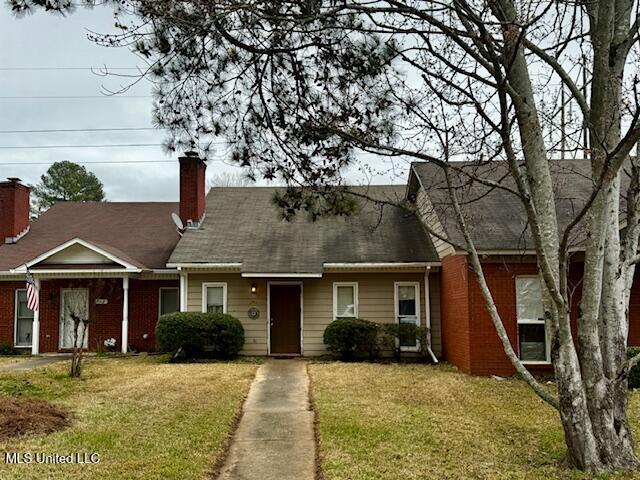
(35, 328)
(125, 314)
(183, 291)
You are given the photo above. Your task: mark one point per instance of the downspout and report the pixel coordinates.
(428, 313)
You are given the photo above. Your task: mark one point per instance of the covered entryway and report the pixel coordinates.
(285, 322)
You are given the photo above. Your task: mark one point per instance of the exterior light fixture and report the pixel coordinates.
(254, 288)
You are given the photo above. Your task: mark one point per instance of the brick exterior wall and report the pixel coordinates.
(144, 303)
(106, 320)
(14, 209)
(7, 309)
(454, 301)
(487, 354)
(469, 338)
(192, 188)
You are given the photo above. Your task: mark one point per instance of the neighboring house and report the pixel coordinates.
(499, 229)
(114, 254)
(287, 280)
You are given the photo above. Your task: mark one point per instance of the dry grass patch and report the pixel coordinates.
(147, 419)
(421, 422)
(12, 359)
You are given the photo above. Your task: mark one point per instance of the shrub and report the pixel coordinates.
(197, 334)
(634, 373)
(392, 335)
(352, 338)
(8, 349)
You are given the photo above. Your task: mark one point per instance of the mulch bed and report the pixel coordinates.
(20, 417)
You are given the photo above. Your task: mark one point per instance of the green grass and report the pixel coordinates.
(385, 422)
(146, 418)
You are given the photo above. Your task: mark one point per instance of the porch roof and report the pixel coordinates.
(242, 226)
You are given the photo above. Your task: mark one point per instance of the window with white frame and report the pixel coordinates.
(345, 300)
(214, 297)
(532, 335)
(169, 300)
(407, 309)
(23, 320)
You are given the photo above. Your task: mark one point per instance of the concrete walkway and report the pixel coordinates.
(33, 362)
(275, 438)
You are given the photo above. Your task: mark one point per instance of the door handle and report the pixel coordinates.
(271, 322)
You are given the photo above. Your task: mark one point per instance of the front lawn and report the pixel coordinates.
(12, 359)
(146, 418)
(431, 422)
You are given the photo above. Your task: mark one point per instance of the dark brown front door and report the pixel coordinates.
(285, 319)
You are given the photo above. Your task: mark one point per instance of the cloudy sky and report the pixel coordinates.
(46, 83)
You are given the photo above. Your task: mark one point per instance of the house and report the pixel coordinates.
(110, 258)
(499, 229)
(287, 280)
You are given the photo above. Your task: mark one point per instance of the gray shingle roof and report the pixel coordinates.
(496, 218)
(243, 226)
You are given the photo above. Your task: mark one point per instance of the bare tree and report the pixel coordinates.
(296, 87)
(230, 179)
(77, 309)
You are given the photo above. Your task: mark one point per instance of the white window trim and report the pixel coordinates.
(15, 320)
(416, 286)
(206, 285)
(160, 298)
(335, 298)
(531, 321)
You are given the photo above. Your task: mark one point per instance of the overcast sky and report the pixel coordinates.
(46, 41)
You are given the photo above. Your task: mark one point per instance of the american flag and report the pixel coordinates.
(32, 293)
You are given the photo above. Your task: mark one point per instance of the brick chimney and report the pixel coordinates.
(192, 189)
(14, 210)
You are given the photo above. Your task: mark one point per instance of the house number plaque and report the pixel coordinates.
(253, 313)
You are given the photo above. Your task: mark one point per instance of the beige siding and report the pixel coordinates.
(375, 303)
(429, 217)
(239, 300)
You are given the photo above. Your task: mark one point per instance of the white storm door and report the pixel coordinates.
(73, 301)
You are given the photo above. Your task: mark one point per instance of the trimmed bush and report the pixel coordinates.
(634, 373)
(392, 335)
(352, 338)
(196, 334)
(8, 349)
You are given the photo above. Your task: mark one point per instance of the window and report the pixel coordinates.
(169, 300)
(214, 297)
(532, 335)
(23, 320)
(407, 308)
(345, 300)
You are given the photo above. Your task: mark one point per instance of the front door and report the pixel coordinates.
(73, 301)
(285, 319)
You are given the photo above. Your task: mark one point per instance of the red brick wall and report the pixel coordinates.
(192, 188)
(144, 302)
(487, 353)
(14, 209)
(474, 346)
(7, 309)
(106, 320)
(454, 298)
